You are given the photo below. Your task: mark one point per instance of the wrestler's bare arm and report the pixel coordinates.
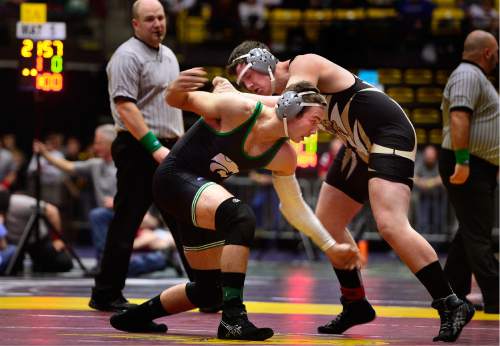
(222, 85)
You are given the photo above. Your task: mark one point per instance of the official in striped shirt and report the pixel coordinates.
(138, 74)
(469, 166)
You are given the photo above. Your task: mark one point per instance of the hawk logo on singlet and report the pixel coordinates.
(353, 135)
(223, 166)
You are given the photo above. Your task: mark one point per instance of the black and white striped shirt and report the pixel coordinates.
(468, 88)
(141, 74)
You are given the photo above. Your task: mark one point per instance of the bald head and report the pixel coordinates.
(138, 5)
(149, 21)
(481, 47)
(478, 40)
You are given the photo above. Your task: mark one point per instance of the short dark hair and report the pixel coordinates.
(307, 86)
(242, 49)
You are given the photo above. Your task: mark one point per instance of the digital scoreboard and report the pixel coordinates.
(41, 51)
(307, 156)
(42, 64)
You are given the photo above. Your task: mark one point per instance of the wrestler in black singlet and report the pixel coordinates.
(379, 139)
(203, 157)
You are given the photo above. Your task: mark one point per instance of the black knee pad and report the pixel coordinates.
(237, 221)
(206, 290)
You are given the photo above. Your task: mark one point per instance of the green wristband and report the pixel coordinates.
(462, 156)
(150, 142)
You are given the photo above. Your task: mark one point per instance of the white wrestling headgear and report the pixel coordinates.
(290, 104)
(260, 60)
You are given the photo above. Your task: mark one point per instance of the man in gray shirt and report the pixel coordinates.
(47, 251)
(138, 74)
(101, 171)
(469, 167)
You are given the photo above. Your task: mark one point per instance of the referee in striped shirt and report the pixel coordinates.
(469, 167)
(138, 74)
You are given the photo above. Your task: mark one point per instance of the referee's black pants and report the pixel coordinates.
(135, 169)
(471, 251)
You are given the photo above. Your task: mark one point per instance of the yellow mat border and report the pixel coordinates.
(81, 303)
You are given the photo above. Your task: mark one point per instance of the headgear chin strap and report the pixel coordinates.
(290, 104)
(260, 60)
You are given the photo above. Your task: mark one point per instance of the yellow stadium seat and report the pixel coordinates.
(381, 13)
(401, 94)
(349, 14)
(389, 76)
(415, 76)
(421, 136)
(426, 116)
(435, 136)
(280, 20)
(314, 20)
(429, 95)
(191, 29)
(318, 15)
(447, 21)
(442, 76)
(206, 11)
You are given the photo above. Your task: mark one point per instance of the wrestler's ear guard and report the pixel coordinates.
(260, 60)
(290, 104)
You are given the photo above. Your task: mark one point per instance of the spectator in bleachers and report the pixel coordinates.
(9, 143)
(47, 252)
(252, 15)
(265, 202)
(415, 22)
(154, 249)
(224, 23)
(484, 16)
(80, 196)
(176, 6)
(101, 171)
(72, 149)
(326, 159)
(51, 178)
(6, 250)
(8, 168)
(430, 191)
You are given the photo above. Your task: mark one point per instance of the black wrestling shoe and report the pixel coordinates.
(353, 313)
(454, 314)
(104, 301)
(238, 327)
(125, 322)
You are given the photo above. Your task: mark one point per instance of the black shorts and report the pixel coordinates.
(392, 152)
(176, 192)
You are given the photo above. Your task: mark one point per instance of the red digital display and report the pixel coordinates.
(41, 64)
